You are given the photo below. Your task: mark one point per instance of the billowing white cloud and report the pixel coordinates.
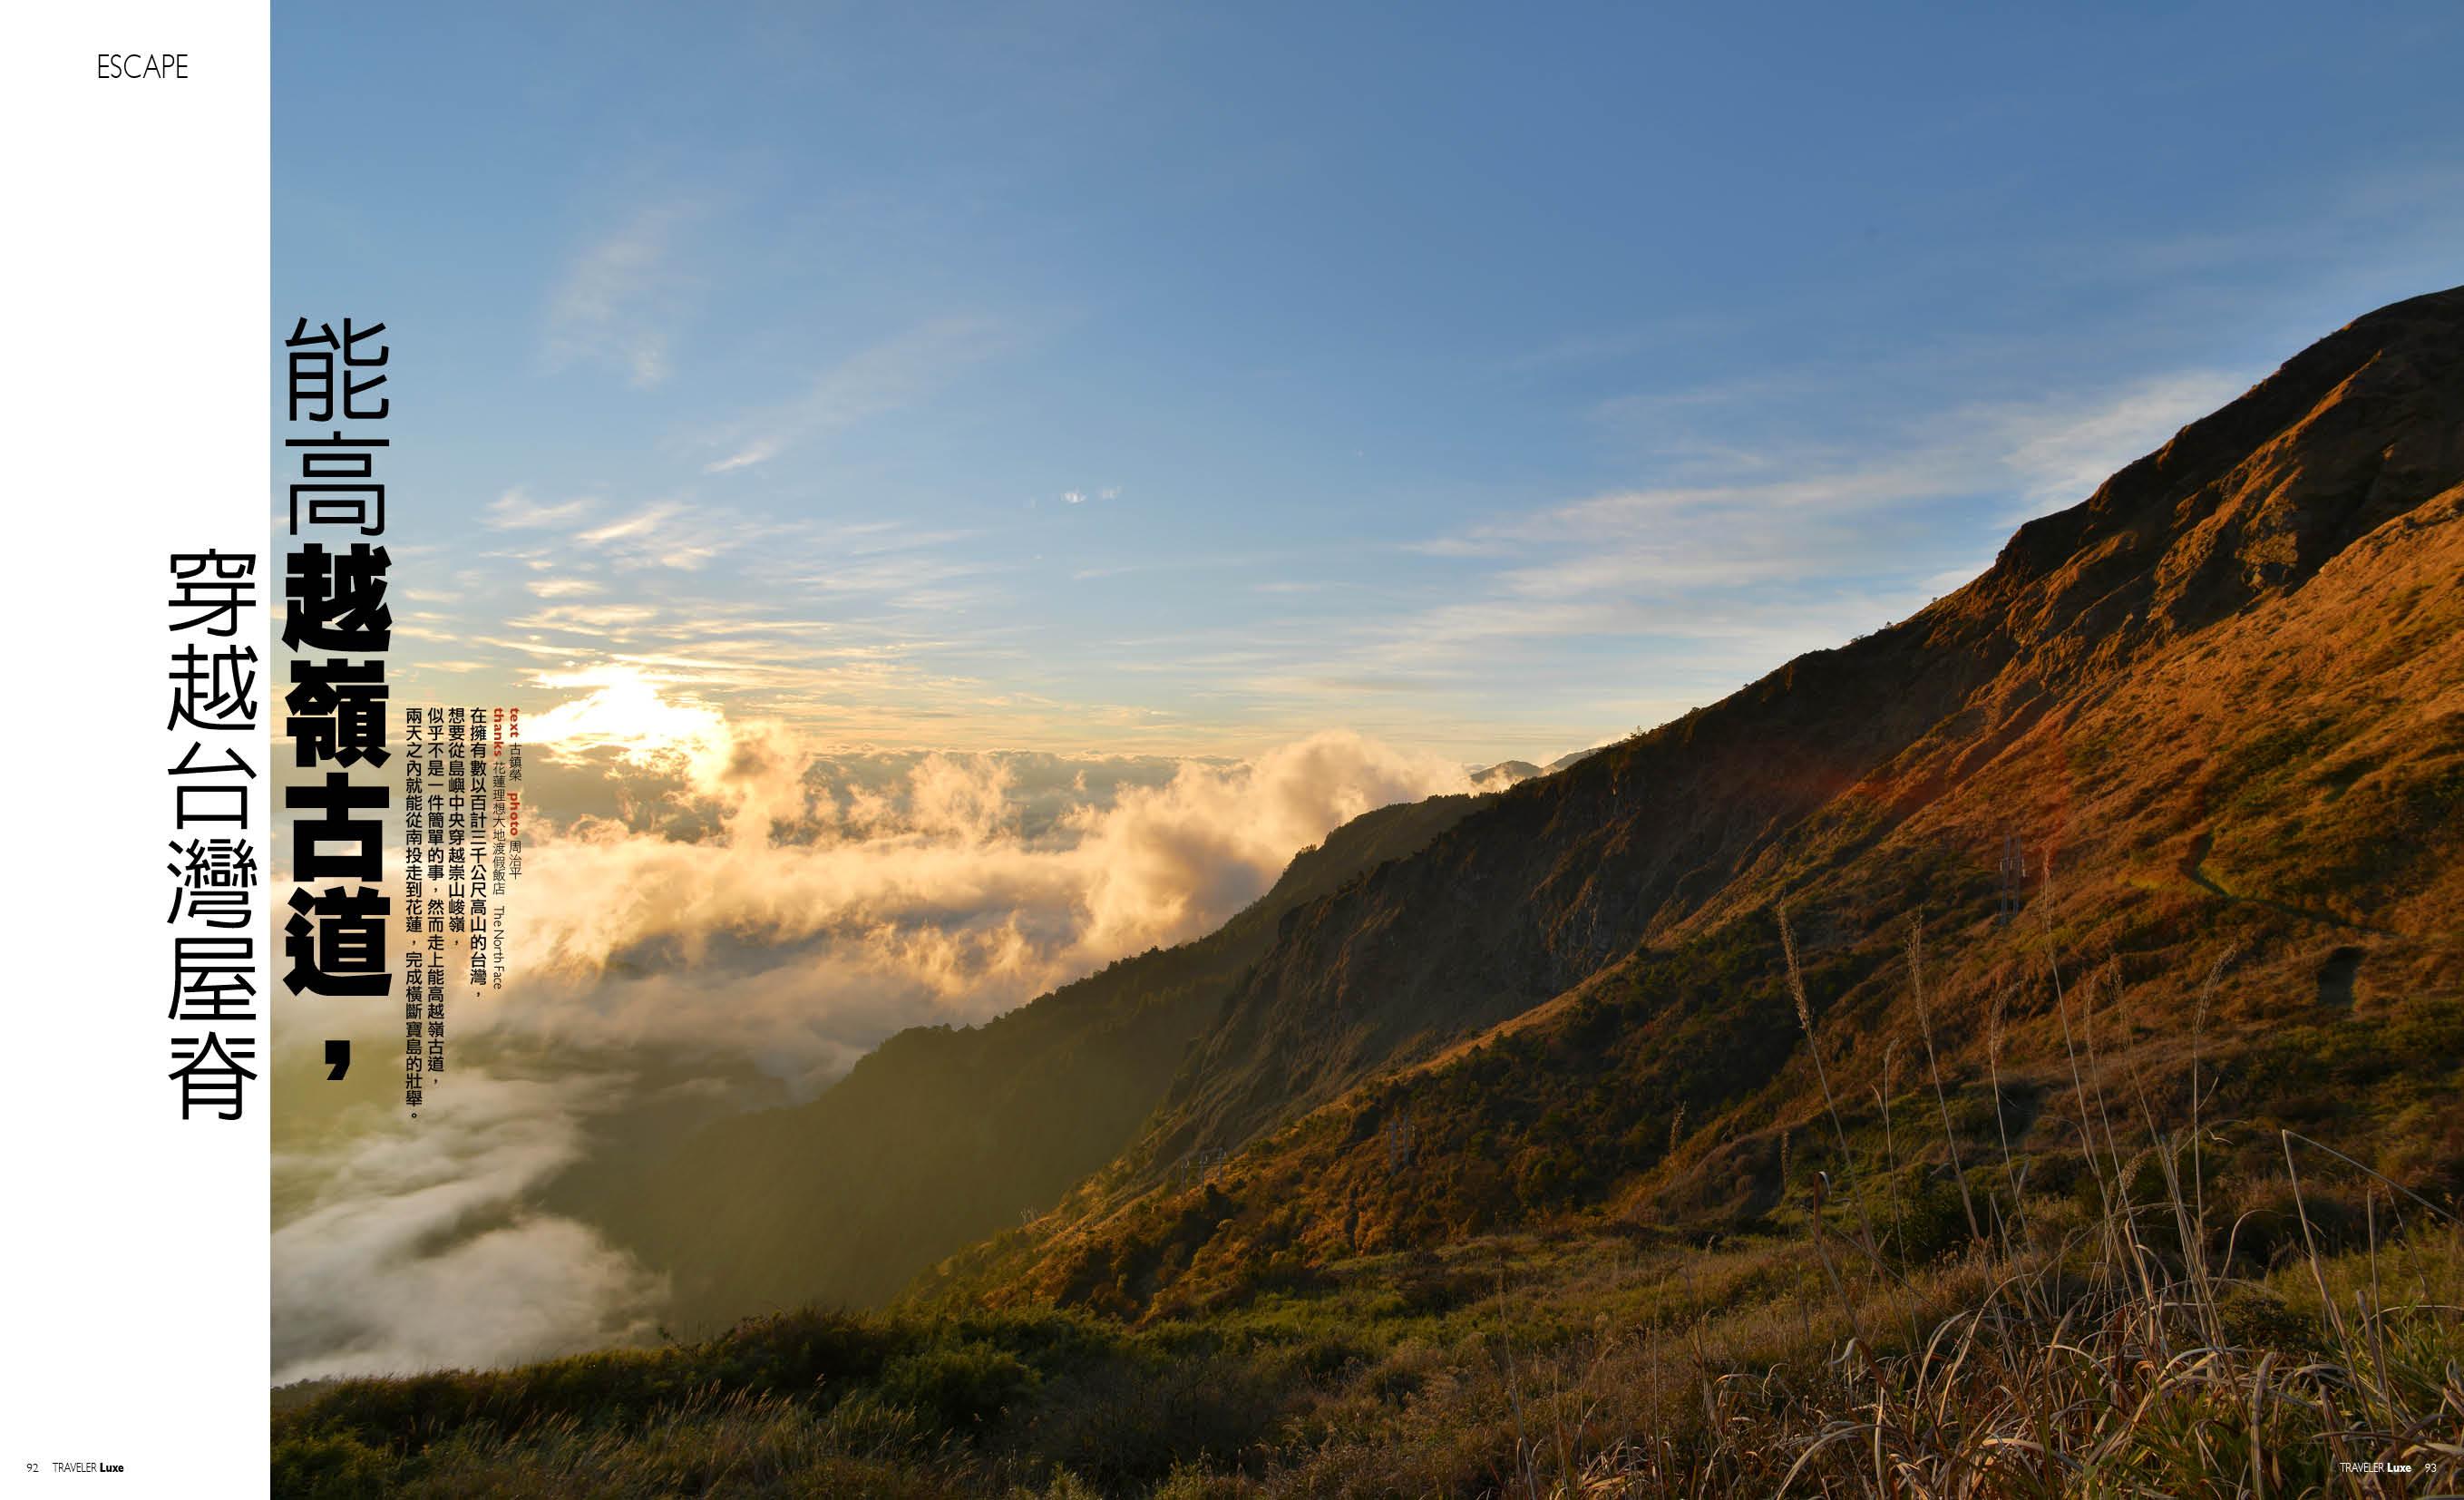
(413, 1247)
(713, 895)
(759, 897)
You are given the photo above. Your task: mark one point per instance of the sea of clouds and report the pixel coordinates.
(711, 898)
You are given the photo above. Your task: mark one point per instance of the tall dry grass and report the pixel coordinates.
(2129, 1351)
(2108, 1306)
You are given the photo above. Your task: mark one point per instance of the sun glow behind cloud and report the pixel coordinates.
(623, 710)
(760, 890)
(711, 895)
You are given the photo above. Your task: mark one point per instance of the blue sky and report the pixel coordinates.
(1162, 379)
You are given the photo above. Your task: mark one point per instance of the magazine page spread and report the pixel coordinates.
(1079, 750)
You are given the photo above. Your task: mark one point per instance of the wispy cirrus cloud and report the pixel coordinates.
(1758, 548)
(670, 534)
(2059, 452)
(1813, 517)
(916, 578)
(1753, 540)
(896, 372)
(517, 510)
(622, 298)
(614, 620)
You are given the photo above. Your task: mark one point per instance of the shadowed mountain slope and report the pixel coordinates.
(1565, 874)
(2220, 702)
(943, 1135)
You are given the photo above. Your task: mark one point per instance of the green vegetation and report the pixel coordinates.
(2191, 1303)
(1612, 1364)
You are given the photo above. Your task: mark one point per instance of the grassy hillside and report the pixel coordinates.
(2019, 1053)
(1891, 766)
(2189, 758)
(2130, 1334)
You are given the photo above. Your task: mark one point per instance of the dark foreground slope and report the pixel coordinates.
(943, 1135)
